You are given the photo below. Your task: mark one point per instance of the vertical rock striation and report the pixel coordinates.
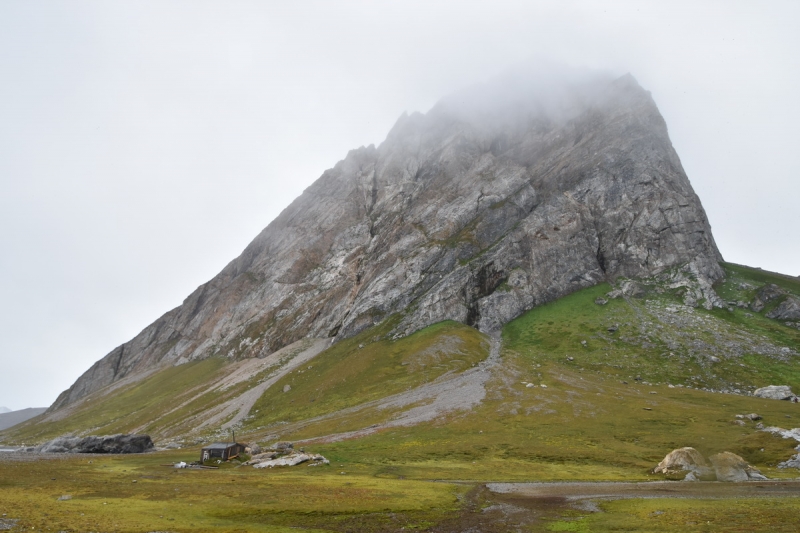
(501, 198)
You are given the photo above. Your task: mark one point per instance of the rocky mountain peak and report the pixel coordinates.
(504, 196)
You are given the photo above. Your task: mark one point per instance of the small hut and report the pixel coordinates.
(221, 450)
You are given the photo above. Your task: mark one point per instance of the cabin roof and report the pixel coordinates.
(221, 445)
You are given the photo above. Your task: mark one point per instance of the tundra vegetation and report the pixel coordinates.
(582, 391)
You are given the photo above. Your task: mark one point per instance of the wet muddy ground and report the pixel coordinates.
(503, 507)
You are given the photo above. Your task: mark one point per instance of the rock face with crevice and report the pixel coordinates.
(501, 198)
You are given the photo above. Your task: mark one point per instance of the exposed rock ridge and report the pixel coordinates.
(476, 211)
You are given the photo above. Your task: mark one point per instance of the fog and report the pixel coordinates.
(144, 144)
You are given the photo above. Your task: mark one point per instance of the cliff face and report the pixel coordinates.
(492, 203)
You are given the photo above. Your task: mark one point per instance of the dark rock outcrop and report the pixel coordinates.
(94, 444)
(501, 198)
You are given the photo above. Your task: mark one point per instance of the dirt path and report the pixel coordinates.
(648, 489)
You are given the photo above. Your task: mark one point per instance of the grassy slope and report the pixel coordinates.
(147, 405)
(587, 424)
(365, 368)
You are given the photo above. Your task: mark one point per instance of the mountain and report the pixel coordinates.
(4, 410)
(501, 198)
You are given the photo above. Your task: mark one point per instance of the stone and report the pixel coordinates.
(789, 309)
(683, 461)
(765, 295)
(292, 459)
(287, 388)
(730, 467)
(792, 462)
(775, 392)
(632, 289)
(600, 301)
(754, 417)
(283, 446)
(253, 449)
(261, 457)
(793, 433)
(8, 523)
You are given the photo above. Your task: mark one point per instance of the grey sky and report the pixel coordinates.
(144, 144)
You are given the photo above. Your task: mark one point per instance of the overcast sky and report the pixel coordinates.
(144, 144)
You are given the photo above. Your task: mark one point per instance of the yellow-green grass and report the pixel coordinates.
(582, 427)
(136, 493)
(153, 404)
(667, 515)
(585, 425)
(365, 368)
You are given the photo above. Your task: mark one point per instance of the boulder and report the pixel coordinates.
(775, 392)
(283, 446)
(253, 449)
(633, 289)
(95, 444)
(789, 309)
(686, 462)
(730, 467)
(261, 457)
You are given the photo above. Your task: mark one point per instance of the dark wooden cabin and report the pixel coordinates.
(221, 450)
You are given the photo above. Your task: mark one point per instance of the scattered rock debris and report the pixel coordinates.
(284, 454)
